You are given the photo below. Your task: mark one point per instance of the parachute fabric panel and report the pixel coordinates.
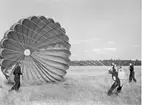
(40, 45)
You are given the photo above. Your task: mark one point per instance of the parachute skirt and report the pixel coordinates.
(40, 45)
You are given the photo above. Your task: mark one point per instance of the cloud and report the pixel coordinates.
(110, 49)
(96, 50)
(99, 51)
(111, 42)
(90, 40)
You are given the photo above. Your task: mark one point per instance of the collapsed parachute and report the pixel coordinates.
(40, 45)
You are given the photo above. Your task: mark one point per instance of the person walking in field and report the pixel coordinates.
(118, 77)
(114, 74)
(17, 73)
(132, 73)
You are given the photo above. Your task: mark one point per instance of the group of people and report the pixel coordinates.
(119, 77)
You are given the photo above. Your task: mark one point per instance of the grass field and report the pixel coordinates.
(81, 86)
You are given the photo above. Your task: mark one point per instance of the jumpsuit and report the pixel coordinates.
(116, 83)
(17, 73)
(132, 74)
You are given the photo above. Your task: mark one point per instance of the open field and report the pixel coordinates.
(81, 86)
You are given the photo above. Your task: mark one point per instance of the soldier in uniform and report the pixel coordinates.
(116, 83)
(17, 73)
(119, 77)
(132, 73)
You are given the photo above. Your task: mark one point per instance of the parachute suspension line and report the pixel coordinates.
(100, 63)
(103, 64)
(106, 73)
(94, 63)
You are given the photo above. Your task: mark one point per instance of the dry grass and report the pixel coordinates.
(78, 88)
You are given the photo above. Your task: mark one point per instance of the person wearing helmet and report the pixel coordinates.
(116, 83)
(17, 73)
(132, 73)
(113, 71)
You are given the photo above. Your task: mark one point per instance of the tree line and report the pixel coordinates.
(104, 62)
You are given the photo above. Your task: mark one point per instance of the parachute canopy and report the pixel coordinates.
(40, 45)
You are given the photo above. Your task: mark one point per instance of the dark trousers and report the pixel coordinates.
(115, 85)
(16, 86)
(132, 76)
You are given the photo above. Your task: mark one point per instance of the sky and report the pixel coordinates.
(97, 29)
